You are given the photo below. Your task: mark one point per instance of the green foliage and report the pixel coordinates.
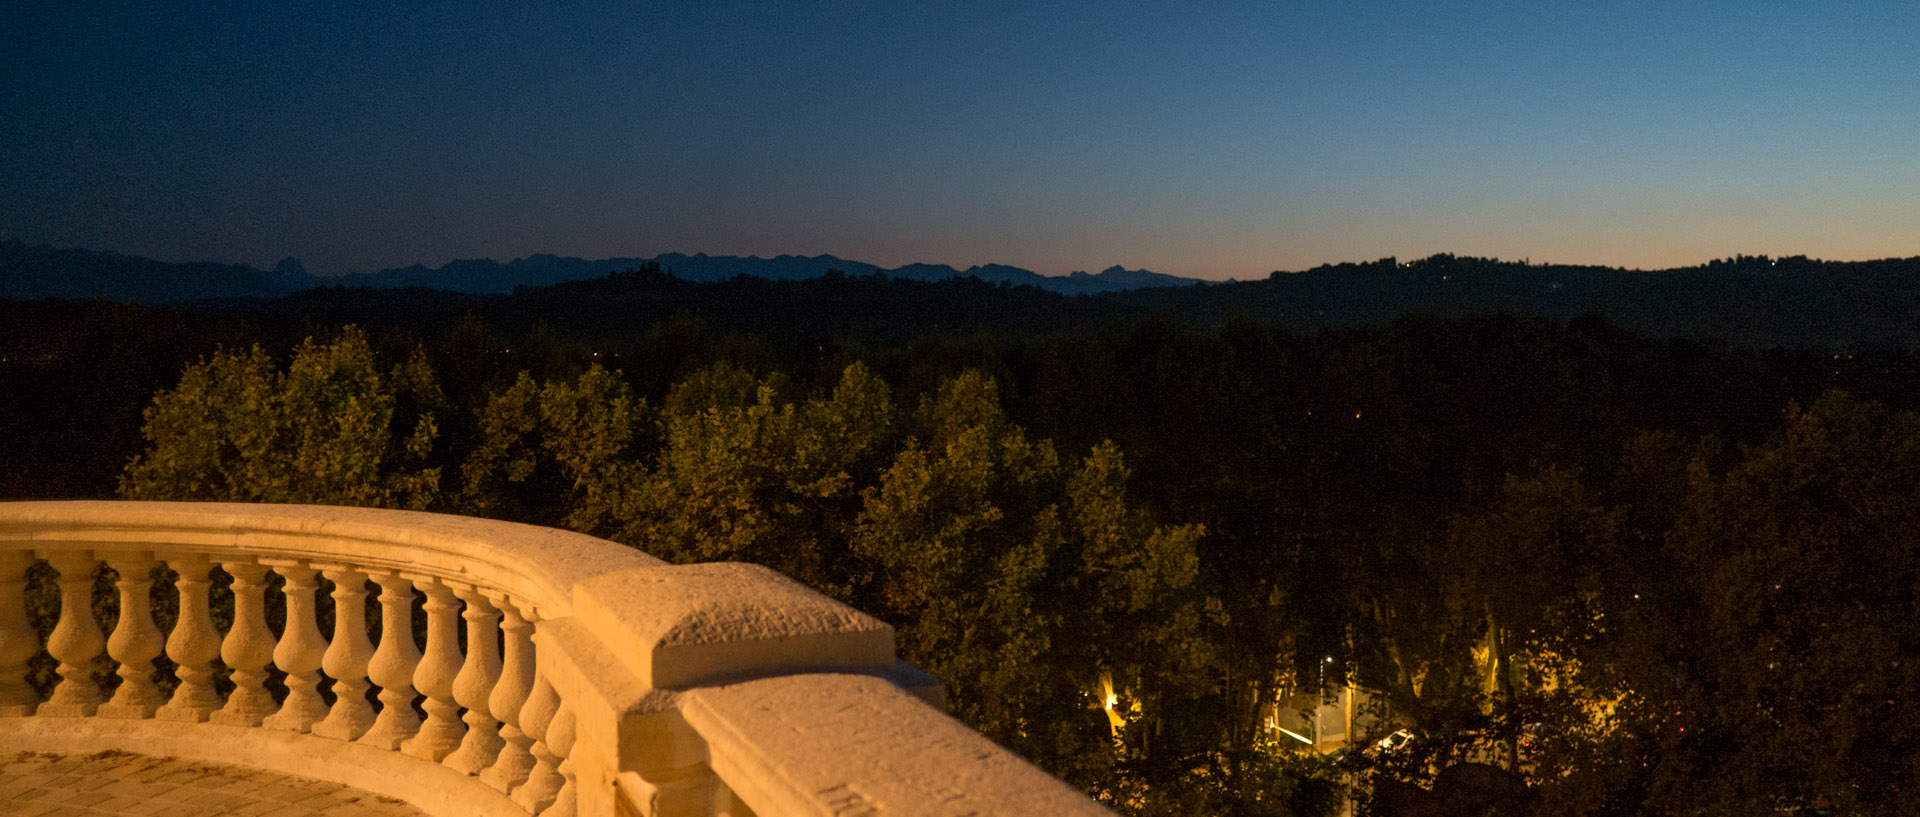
(554, 453)
(1803, 561)
(1016, 578)
(741, 473)
(1528, 543)
(961, 539)
(1264, 780)
(325, 431)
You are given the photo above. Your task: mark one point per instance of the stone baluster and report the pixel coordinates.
(560, 736)
(248, 648)
(76, 639)
(136, 641)
(18, 641)
(473, 687)
(442, 732)
(300, 652)
(394, 663)
(347, 656)
(510, 768)
(193, 644)
(543, 780)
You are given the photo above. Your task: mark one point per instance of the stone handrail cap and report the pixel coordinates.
(684, 625)
(833, 744)
(533, 563)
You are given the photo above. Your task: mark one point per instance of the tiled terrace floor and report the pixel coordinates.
(35, 784)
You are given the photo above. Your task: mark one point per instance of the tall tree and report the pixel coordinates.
(1797, 684)
(333, 429)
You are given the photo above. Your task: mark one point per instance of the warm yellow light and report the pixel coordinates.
(1296, 735)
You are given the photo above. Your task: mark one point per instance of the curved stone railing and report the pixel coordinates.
(592, 679)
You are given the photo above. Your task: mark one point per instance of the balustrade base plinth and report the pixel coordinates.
(183, 714)
(395, 725)
(477, 751)
(60, 710)
(226, 718)
(347, 729)
(125, 711)
(511, 765)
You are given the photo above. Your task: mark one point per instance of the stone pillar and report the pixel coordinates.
(299, 653)
(136, 641)
(18, 641)
(393, 664)
(248, 648)
(77, 639)
(193, 644)
(543, 780)
(560, 737)
(473, 687)
(346, 658)
(442, 731)
(510, 768)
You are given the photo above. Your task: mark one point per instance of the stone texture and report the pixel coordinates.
(540, 565)
(123, 783)
(656, 690)
(857, 745)
(693, 624)
(215, 760)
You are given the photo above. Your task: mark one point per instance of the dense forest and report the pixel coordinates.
(1638, 573)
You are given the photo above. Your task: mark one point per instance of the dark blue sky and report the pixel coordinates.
(1204, 139)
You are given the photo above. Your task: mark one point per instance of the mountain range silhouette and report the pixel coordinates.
(29, 272)
(1793, 301)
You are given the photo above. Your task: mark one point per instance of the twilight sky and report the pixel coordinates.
(1209, 139)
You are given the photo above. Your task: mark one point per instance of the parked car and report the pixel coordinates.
(1359, 756)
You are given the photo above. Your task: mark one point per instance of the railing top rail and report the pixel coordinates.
(849, 744)
(537, 564)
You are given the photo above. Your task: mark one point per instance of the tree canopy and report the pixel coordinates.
(1639, 576)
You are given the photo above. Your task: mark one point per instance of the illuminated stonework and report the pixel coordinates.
(599, 680)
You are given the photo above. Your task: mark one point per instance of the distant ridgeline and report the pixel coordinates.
(28, 272)
(1753, 300)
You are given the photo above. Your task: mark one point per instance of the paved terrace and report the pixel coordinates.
(49, 784)
(595, 680)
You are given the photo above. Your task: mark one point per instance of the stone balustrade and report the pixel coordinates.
(558, 674)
